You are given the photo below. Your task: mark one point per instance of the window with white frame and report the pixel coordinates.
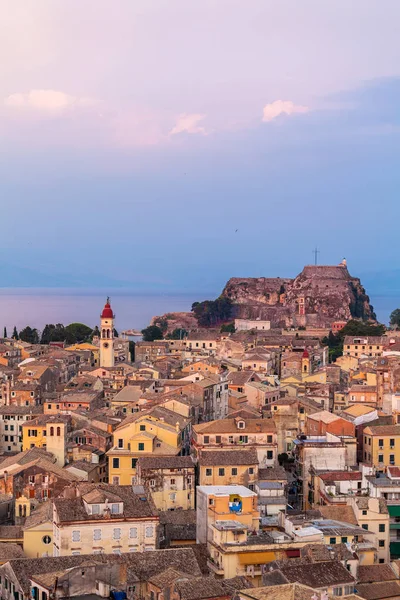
(149, 531)
(95, 509)
(97, 534)
(76, 536)
(133, 532)
(115, 509)
(117, 533)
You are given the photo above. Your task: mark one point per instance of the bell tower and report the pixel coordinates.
(107, 336)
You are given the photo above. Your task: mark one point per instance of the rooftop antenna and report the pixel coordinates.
(316, 252)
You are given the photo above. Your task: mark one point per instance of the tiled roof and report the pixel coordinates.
(378, 591)
(382, 430)
(11, 532)
(137, 566)
(375, 573)
(228, 457)
(165, 462)
(134, 506)
(272, 474)
(318, 575)
(230, 426)
(342, 513)
(41, 514)
(340, 476)
(178, 517)
(10, 550)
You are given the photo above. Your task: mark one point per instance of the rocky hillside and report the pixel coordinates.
(318, 296)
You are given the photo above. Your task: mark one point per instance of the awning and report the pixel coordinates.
(394, 510)
(256, 558)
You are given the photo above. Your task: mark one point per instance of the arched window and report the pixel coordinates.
(20, 510)
(51, 430)
(24, 510)
(103, 333)
(58, 431)
(108, 333)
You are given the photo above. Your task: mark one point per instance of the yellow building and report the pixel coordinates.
(363, 346)
(48, 432)
(372, 515)
(228, 467)
(170, 479)
(103, 519)
(95, 350)
(157, 431)
(382, 445)
(38, 532)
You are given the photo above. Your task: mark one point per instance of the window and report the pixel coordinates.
(206, 439)
(218, 439)
(243, 439)
(141, 446)
(365, 526)
(149, 531)
(251, 471)
(95, 509)
(133, 533)
(230, 439)
(241, 424)
(392, 459)
(221, 472)
(380, 443)
(115, 480)
(270, 454)
(382, 527)
(380, 458)
(120, 443)
(134, 461)
(332, 541)
(96, 534)
(392, 442)
(381, 543)
(115, 463)
(269, 439)
(234, 470)
(117, 533)
(76, 536)
(46, 539)
(208, 472)
(344, 540)
(116, 551)
(338, 591)
(115, 509)
(364, 512)
(142, 428)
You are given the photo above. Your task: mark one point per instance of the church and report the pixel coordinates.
(113, 350)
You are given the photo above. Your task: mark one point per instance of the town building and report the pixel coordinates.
(170, 480)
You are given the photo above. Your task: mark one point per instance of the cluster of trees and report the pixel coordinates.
(335, 341)
(155, 332)
(212, 312)
(395, 318)
(73, 333)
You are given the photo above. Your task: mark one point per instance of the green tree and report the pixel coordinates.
(15, 335)
(395, 318)
(212, 312)
(5, 332)
(29, 335)
(76, 333)
(177, 334)
(353, 328)
(228, 328)
(53, 333)
(95, 332)
(151, 333)
(116, 333)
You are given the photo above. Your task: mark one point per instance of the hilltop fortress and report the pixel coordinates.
(317, 297)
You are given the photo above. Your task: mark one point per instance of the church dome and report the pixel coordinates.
(306, 354)
(107, 311)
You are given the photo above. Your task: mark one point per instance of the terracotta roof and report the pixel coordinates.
(139, 565)
(229, 426)
(73, 509)
(375, 573)
(317, 575)
(382, 430)
(11, 532)
(10, 550)
(165, 462)
(394, 471)
(380, 590)
(178, 517)
(340, 513)
(200, 588)
(340, 476)
(41, 514)
(228, 457)
(272, 474)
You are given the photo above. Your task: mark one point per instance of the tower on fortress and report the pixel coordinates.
(107, 336)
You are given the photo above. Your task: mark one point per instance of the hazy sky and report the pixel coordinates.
(137, 136)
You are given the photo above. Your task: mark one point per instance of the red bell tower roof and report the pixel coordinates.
(306, 354)
(107, 311)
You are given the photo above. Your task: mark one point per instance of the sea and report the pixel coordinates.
(36, 307)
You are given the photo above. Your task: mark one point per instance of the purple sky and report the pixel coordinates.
(136, 136)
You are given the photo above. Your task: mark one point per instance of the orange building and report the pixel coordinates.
(321, 423)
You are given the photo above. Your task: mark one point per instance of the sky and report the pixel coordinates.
(167, 145)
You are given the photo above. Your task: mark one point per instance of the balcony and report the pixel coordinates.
(214, 566)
